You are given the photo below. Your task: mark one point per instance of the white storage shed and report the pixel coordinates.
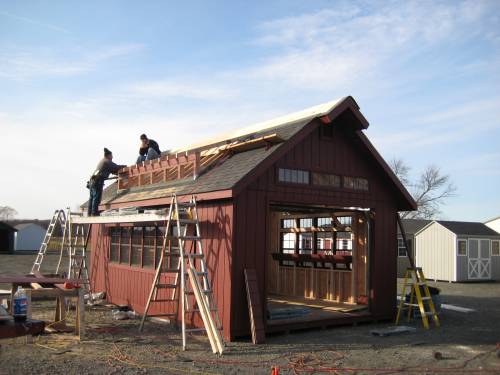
(458, 251)
(29, 237)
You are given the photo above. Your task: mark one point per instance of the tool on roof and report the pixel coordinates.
(188, 267)
(415, 279)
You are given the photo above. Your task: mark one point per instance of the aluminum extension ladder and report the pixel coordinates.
(186, 264)
(58, 217)
(73, 244)
(415, 279)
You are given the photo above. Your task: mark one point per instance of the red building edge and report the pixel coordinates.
(242, 227)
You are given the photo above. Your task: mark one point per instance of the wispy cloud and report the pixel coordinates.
(19, 63)
(180, 89)
(34, 22)
(338, 47)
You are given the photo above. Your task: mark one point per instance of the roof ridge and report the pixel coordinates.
(287, 119)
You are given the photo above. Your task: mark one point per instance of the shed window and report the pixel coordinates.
(324, 222)
(495, 247)
(136, 253)
(462, 247)
(148, 252)
(288, 223)
(401, 248)
(306, 223)
(326, 179)
(125, 245)
(361, 184)
(114, 250)
(294, 176)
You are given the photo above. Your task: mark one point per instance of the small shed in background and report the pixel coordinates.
(29, 237)
(411, 226)
(458, 251)
(7, 235)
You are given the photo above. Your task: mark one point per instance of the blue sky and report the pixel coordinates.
(78, 76)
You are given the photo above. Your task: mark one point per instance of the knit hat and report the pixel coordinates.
(107, 152)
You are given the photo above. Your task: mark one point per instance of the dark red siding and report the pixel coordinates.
(130, 286)
(342, 154)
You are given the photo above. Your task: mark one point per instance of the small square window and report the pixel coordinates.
(495, 247)
(462, 247)
(288, 223)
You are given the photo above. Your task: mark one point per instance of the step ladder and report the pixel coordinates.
(73, 245)
(186, 264)
(59, 217)
(78, 237)
(419, 291)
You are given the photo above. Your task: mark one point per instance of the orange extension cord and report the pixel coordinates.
(312, 364)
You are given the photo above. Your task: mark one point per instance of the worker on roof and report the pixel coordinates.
(96, 182)
(149, 149)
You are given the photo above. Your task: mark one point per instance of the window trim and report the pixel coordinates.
(466, 247)
(400, 238)
(279, 173)
(491, 249)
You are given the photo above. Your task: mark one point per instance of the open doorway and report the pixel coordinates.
(317, 264)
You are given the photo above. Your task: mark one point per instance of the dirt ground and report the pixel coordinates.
(466, 342)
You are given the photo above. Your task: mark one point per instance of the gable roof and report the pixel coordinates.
(25, 225)
(412, 226)
(233, 173)
(468, 228)
(6, 226)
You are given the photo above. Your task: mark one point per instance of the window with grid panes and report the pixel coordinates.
(160, 232)
(324, 222)
(136, 252)
(125, 245)
(114, 250)
(495, 248)
(148, 252)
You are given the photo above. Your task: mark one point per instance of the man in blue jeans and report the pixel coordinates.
(149, 149)
(96, 183)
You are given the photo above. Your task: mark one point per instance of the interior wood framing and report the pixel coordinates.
(316, 281)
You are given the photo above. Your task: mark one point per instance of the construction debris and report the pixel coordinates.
(456, 308)
(393, 330)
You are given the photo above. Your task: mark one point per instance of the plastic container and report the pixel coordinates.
(20, 304)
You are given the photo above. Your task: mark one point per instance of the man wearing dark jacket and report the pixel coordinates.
(149, 149)
(96, 183)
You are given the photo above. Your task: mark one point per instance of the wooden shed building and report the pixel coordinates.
(458, 251)
(305, 200)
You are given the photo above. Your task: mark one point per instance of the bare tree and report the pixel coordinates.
(7, 213)
(430, 190)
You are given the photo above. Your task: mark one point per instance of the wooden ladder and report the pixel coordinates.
(191, 269)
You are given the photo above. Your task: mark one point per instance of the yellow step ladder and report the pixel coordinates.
(415, 279)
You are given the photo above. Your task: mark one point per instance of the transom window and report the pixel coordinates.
(294, 176)
(462, 247)
(325, 179)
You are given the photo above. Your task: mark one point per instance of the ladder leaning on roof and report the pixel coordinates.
(187, 266)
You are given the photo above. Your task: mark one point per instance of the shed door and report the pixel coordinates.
(479, 266)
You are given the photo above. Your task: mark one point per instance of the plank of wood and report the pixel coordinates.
(254, 307)
(212, 332)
